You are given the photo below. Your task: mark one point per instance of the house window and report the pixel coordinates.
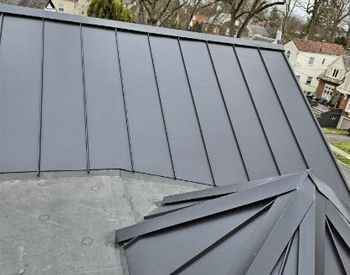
(335, 72)
(308, 80)
(288, 54)
(298, 77)
(323, 61)
(61, 7)
(311, 60)
(327, 93)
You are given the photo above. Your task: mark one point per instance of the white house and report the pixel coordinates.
(309, 59)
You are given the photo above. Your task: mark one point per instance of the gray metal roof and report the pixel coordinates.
(292, 224)
(81, 93)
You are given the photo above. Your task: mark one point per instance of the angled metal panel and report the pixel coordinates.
(307, 242)
(20, 87)
(223, 152)
(332, 262)
(283, 230)
(227, 189)
(63, 123)
(310, 138)
(244, 119)
(280, 136)
(148, 257)
(218, 257)
(290, 265)
(339, 223)
(108, 138)
(207, 208)
(343, 250)
(187, 148)
(148, 138)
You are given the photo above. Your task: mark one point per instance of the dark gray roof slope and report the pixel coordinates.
(81, 93)
(36, 4)
(291, 224)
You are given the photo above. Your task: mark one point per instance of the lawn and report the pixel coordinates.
(345, 146)
(334, 131)
(342, 159)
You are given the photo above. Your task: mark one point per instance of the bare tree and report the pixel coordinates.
(314, 8)
(287, 12)
(158, 12)
(341, 10)
(257, 7)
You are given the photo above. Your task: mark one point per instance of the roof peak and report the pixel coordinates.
(319, 47)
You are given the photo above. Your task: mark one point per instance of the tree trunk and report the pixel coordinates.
(244, 24)
(310, 28)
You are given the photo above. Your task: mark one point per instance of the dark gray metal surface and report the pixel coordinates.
(148, 138)
(82, 93)
(108, 136)
(19, 93)
(63, 144)
(282, 234)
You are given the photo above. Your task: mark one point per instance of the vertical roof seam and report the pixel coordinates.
(196, 112)
(255, 109)
(227, 112)
(84, 100)
(282, 108)
(41, 96)
(161, 106)
(124, 101)
(1, 27)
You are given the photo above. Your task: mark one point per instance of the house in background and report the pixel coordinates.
(334, 90)
(47, 5)
(75, 7)
(333, 86)
(309, 59)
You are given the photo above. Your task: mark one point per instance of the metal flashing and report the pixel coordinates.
(298, 231)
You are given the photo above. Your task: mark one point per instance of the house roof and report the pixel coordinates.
(329, 79)
(346, 61)
(319, 47)
(36, 4)
(97, 94)
(289, 224)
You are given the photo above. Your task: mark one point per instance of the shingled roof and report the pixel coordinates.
(319, 47)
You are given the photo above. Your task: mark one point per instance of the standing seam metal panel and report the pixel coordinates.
(245, 121)
(63, 129)
(227, 113)
(41, 96)
(184, 135)
(223, 152)
(161, 106)
(20, 81)
(84, 100)
(279, 135)
(108, 139)
(284, 112)
(303, 124)
(147, 133)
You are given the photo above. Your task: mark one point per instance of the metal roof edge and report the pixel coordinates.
(152, 30)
